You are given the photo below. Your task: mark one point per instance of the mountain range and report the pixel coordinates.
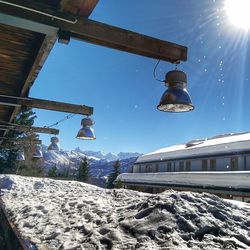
(100, 164)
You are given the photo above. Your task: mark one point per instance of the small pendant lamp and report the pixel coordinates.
(86, 132)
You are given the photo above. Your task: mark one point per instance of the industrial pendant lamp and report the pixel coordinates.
(176, 97)
(20, 156)
(54, 145)
(38, 153)
(86, 132)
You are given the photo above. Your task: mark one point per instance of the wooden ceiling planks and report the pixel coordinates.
(17, 51)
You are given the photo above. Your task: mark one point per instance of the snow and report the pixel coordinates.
(238, 203)
(54, 214)
(217, 144)
(232, 179)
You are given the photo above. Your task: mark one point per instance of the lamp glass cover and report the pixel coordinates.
(175, 100)
(54, 145)
(38, 153)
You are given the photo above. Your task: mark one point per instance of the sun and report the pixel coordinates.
(238, 12)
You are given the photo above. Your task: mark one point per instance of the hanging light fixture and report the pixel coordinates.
(176, 97)
(86, 132)
(20, 156)
(54, 145)
(38, 152)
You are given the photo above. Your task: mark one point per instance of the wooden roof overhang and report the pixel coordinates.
(29, 28)
(23, 51)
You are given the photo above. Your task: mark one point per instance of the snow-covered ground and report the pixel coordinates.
(56, 214)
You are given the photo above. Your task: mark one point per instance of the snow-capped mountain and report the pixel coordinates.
(100, 163)
(108, 157)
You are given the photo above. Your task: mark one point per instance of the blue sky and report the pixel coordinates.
(123, 92)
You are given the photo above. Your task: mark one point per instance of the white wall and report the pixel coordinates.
(222, 164)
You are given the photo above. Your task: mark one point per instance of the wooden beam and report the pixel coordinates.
(45, 104)
(125, 40)
(12, 126)
(58, 106)
(8, 125)
(20, 140)
(106, 35)
(51, 131)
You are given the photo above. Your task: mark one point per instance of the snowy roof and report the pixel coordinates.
(220, 144)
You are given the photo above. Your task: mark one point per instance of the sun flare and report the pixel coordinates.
(238, 12)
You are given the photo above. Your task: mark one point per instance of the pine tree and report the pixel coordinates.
(119, 184)
(113, 175)
(65, 173)
(10, 148)
(52, 172)
(83, 172)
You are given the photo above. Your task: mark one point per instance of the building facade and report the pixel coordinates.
(225, 159)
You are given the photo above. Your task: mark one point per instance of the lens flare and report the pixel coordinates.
(238, 12)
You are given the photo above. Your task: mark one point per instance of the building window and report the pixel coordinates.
(151, 168)
(156, 168)
(188, 166)
(181, 166)
(134, 169)
(139, 168)
(169, 166)
(204, 165)
(234, 163)
(213, 165)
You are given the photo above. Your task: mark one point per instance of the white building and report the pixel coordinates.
(219, 165)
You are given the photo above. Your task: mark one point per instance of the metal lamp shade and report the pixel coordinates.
(20, 156)
(175, 100)
(86, 133)
(38, 153)
(54, 144)
(176, 97)
(87, 122)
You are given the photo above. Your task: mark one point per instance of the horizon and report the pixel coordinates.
(121, 88)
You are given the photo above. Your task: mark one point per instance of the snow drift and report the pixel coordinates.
(54, 214)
